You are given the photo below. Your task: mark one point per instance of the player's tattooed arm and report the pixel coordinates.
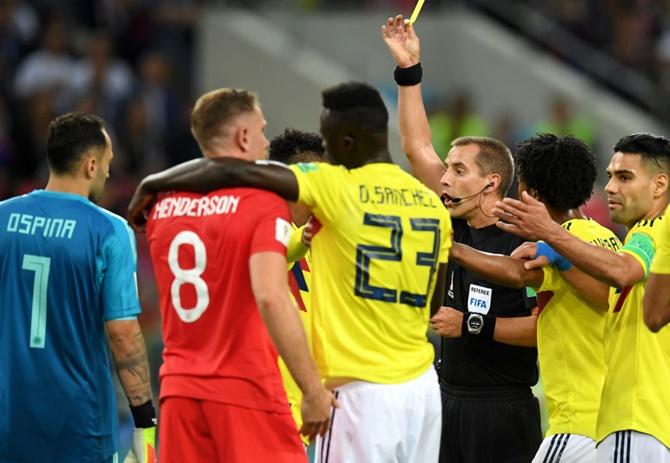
(130, 358)
(205, 175)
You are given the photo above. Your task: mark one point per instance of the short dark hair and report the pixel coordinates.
(359, 103)
(561, 170)
(494, 157)
(294, 144)
(70, 137)
(652, 148)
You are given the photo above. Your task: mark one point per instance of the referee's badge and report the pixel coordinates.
(479, 299)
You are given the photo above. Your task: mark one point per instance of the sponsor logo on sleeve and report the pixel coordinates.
(282, 231)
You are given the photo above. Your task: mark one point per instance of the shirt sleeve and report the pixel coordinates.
(272, 231)
(661, 262)
(318, 185)
(296, 249)
(552, 279)
(119, 280)
(642, 247)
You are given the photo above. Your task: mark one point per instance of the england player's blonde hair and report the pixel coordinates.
(215, 109)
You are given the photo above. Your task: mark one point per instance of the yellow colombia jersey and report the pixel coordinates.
(300, 280)
(570, 335)
(661, 263)
(635, 393)
(378, 240)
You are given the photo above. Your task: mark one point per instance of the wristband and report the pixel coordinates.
(407, 77)
(478, 325)
(144, 415)
(554, 258)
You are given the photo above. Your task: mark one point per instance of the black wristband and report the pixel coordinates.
(407, 77)
(478, 325)
(144, 415)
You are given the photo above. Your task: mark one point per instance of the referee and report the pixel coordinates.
(488, 361)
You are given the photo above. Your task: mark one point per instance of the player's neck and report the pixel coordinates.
(67, 184)
(657, 209)
(372, 157)
(561, 217)
(218, 154)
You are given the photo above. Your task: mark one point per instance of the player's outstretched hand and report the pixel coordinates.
(527, 218)
(139, 207)
(399, 35)
(447, 322)
(316, 411)
(143, 449)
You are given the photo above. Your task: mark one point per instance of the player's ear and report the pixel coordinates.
(90, 165)
(242, 139)
(661, 185)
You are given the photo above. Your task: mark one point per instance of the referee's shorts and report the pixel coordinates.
(492, 424)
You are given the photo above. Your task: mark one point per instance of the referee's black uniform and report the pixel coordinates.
(488, 411)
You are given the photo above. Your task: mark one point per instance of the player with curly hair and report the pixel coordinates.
(633, 424)
(560, 172)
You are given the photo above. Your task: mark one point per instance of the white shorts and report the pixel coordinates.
(385, 423)
(566, 448)
(632, 447)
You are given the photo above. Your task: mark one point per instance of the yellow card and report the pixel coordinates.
(417, 10)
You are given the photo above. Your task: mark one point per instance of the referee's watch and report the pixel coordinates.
(474, 323)
(479, 325)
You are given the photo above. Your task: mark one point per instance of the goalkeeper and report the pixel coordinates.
(67, 277)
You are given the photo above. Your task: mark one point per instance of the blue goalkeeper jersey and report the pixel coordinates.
(66, 266)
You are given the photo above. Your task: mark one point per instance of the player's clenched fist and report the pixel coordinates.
(402, 41)
(143, 449)
(316, 411)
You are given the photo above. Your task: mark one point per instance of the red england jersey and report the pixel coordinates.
(216, 345)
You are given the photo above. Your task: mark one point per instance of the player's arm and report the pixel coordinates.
(129, 354)
(594, 291)
(270, 288)
(529, 218)
(415, 134)
(121, 307)
(657, 301)
(515, 331)
(499, 269)
(130, 358)
(204, 175)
